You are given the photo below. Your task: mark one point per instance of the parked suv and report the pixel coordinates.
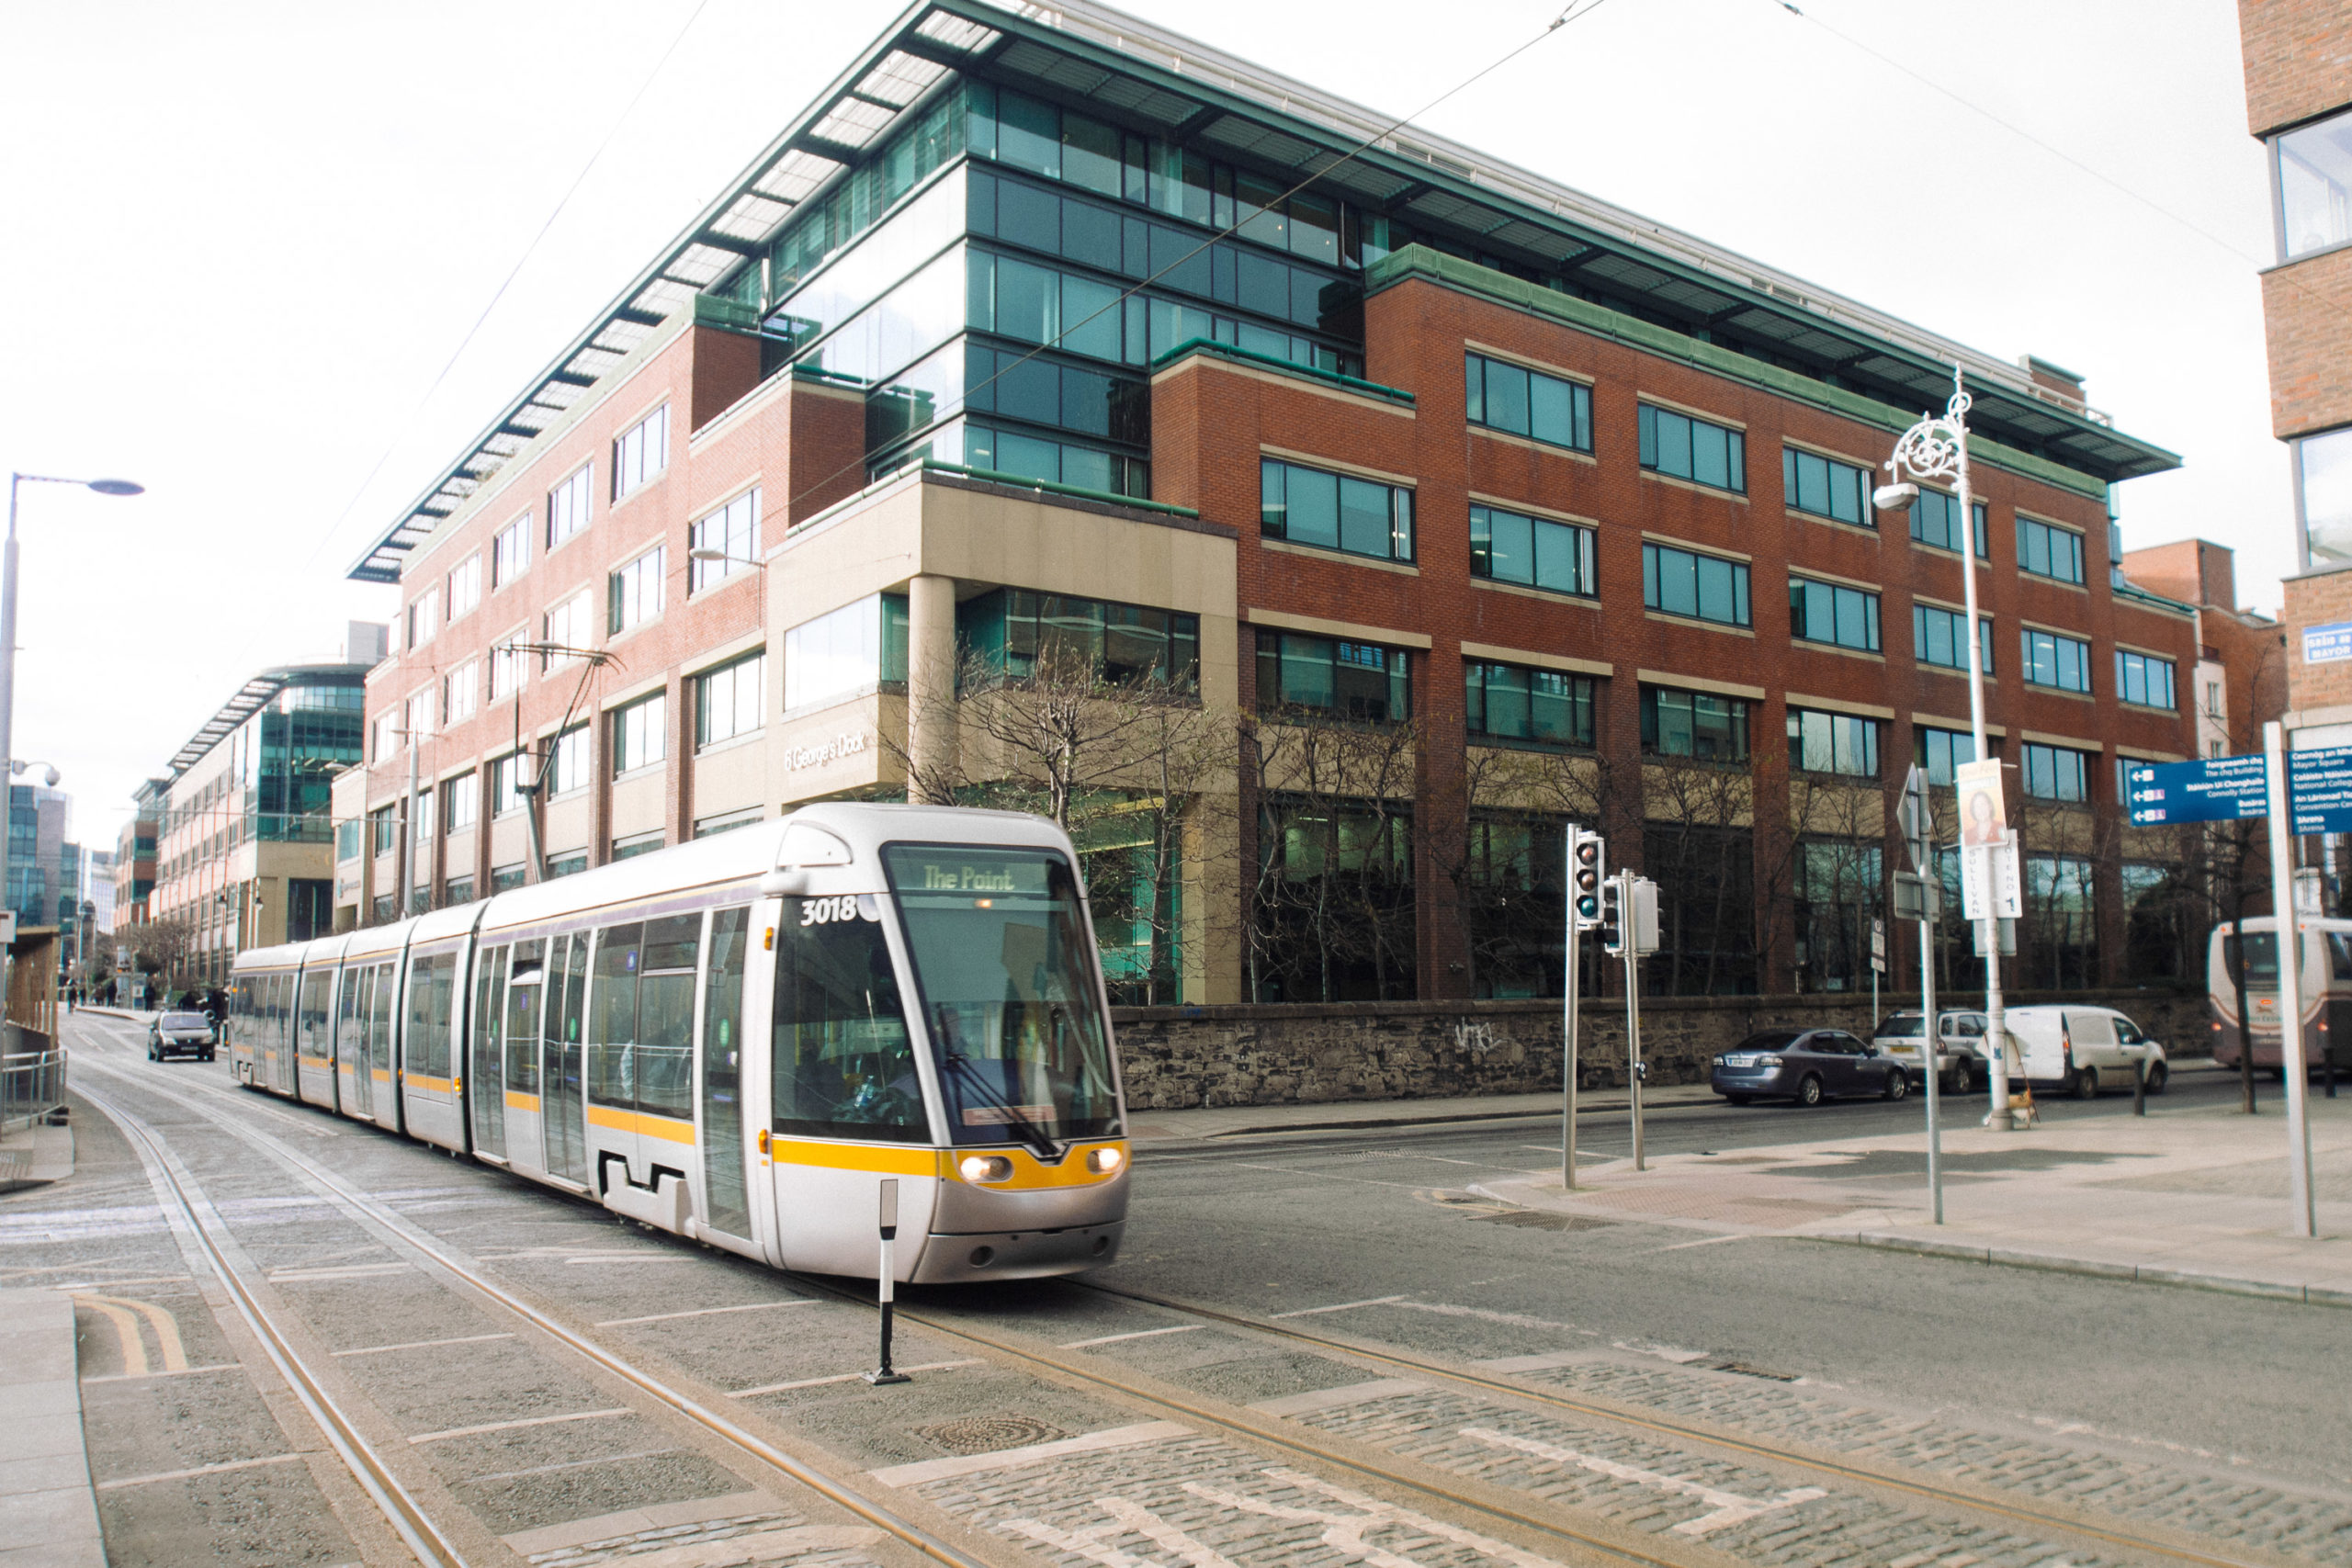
(186, 1034)
(1960, 1055)
(1807, 1066)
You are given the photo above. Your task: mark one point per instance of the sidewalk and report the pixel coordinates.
(1236, 1121)
(48, 1515)
(2187, 1196)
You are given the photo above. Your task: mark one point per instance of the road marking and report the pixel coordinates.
(420, 1345)
(1138, 1334)
(173, 1373)
(126, 1332)
(1005, 1458)
(1705, 1241)
(608, 1459)
(847, 1377)
(706, 1311)
(1343, 1306)
(1726, 1508)
(350, 1271)
(1338, 1398)
(512, 1425)
(199, 1470)
(630, 1257)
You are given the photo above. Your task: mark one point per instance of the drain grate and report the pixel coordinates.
(989, 1434)
(1743, 1369)
(1538, 1219)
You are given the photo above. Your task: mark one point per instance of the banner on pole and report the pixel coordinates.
(1989, 884)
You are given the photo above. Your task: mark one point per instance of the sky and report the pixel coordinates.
(278, 262)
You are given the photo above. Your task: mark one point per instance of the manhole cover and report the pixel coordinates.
(988, 1434)
(1539, 1220)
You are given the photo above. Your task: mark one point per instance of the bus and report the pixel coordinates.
(2324, 975)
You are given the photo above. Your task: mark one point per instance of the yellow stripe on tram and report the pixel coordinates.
(438, 1086)
(667, 1128)
(857, 1157)
(522, 1101)
(380, 1074)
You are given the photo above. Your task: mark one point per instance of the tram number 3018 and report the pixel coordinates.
(848, 907)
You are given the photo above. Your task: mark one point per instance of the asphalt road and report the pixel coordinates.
(513, 1439)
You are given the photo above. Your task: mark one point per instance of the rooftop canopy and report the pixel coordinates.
(251, 698)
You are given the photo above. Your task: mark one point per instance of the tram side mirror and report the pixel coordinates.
(790, 882)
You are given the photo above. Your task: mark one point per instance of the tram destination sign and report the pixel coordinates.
(2318, 790)
(2219, 790)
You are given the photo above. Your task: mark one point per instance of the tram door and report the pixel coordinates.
(281, 1034)
(314, 1047)
(486, 1079)
(382, 1096)
(727, 1205)
(352, 1083)
(561, 1124)
(526, 989)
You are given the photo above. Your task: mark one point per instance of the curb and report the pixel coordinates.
(2058, 1263)
(1584, 1108)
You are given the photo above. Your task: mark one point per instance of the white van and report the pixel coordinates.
(2083, 1049)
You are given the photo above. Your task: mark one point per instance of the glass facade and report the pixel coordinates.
(845, 653)
(1015, 632)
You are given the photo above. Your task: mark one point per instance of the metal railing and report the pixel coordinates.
(31, 1087)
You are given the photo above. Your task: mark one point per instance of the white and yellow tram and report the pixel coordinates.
(935, 1012)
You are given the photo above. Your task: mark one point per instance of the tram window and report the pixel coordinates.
(841, 1065)
(489, 1054)
(1007, 975)
(379, 1017)
(430, 984)
(314, 1013)
(665, 1017)
(2339, 956)
(523, 993)
(563, 1015)
(723, 1080)
(612, 1028)
(349, 1021)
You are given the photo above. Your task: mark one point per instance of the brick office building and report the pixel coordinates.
(1477, 501)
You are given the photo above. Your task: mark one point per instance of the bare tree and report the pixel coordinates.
(160, 946)
(1698, 844)
(1840, 829)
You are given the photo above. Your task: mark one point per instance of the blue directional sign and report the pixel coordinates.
(2318, 790)
(2219, 790)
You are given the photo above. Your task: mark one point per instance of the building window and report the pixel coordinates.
(1055, 462)
(569, 503)
(510, 552)
(2213, 749)
(734, 531)
(460, 689)
(2048, 550)
(1508, 547)
(2212, 699)
(465, 586)
(461, 799)
(640, 734)
(566, 625)
(845, 652)
(1938, 638)
(728, 821)
(507, 664)
(1941, 750)
(2314, 173)
(568, 762)
(1686, 448)
(1699, 725)
(641, 453)
(1330, 678)
(506, 878)
(2323, 497)
(2059, 949)
(728, 700)
(2144, 679)
(572, 864)
(347, 841)
(2052, 660)
(1021, 635)
(1935, 520)
(1541, 707)
(1825, 487)
(422, 804)
(637, 844)
(2054, 772)
(1334, 512)
(1833, 743)
(423, 616)
(1550, 409)
(381, 740)
(458, 890)
(385, 827)
(418, 714)
(1830, 613)
(507, 776)
(1706, 588)
(633, 593)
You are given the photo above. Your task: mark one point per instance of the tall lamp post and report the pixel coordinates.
(8, 613)
(1936, 448)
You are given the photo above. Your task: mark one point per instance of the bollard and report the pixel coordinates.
(2140, 1087)
(885, 1282)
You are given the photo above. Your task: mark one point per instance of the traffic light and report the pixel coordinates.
(1587, 853)
(1612, 916)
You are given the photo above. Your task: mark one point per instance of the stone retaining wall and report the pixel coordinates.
(1313, 1054)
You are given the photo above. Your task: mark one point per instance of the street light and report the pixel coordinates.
(8, 613)
(1936, 448)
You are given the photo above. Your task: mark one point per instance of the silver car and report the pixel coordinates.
(1960, 1059)
(180, 1033)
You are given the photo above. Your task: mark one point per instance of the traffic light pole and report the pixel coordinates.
(1568, 1047)
(1630, 922)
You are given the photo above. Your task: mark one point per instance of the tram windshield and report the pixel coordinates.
(1003, 967)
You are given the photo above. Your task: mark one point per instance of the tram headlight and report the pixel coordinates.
(986, 1168)
(1105, 1162)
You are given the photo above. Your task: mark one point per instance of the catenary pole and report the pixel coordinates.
(1569, 984)
(2302, 1219)
(1928, 891)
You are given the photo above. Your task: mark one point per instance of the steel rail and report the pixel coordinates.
(416, 1239)
(1950, 1497)
(406, 1515)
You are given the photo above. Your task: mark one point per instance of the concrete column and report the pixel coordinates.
(930, 689)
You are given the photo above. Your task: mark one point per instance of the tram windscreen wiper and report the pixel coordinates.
(954, 1055)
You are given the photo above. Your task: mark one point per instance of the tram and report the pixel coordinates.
(934, 1011)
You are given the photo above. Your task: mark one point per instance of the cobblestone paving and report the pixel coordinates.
(1200, 1502)
(2145, 1489)
(750, 1540)
(1642, 1484)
